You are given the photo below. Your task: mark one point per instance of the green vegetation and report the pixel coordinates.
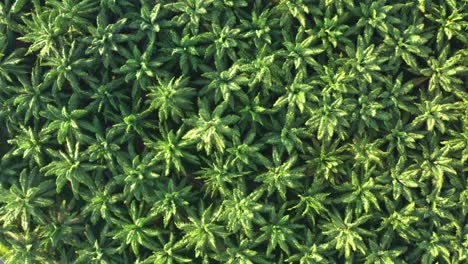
(233, 131)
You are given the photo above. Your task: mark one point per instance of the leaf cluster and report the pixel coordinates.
(232, 131)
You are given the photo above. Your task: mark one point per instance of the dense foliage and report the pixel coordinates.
(233, 131)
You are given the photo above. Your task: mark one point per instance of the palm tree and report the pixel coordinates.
(345, 234)
(210, 128)
(201, 232)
